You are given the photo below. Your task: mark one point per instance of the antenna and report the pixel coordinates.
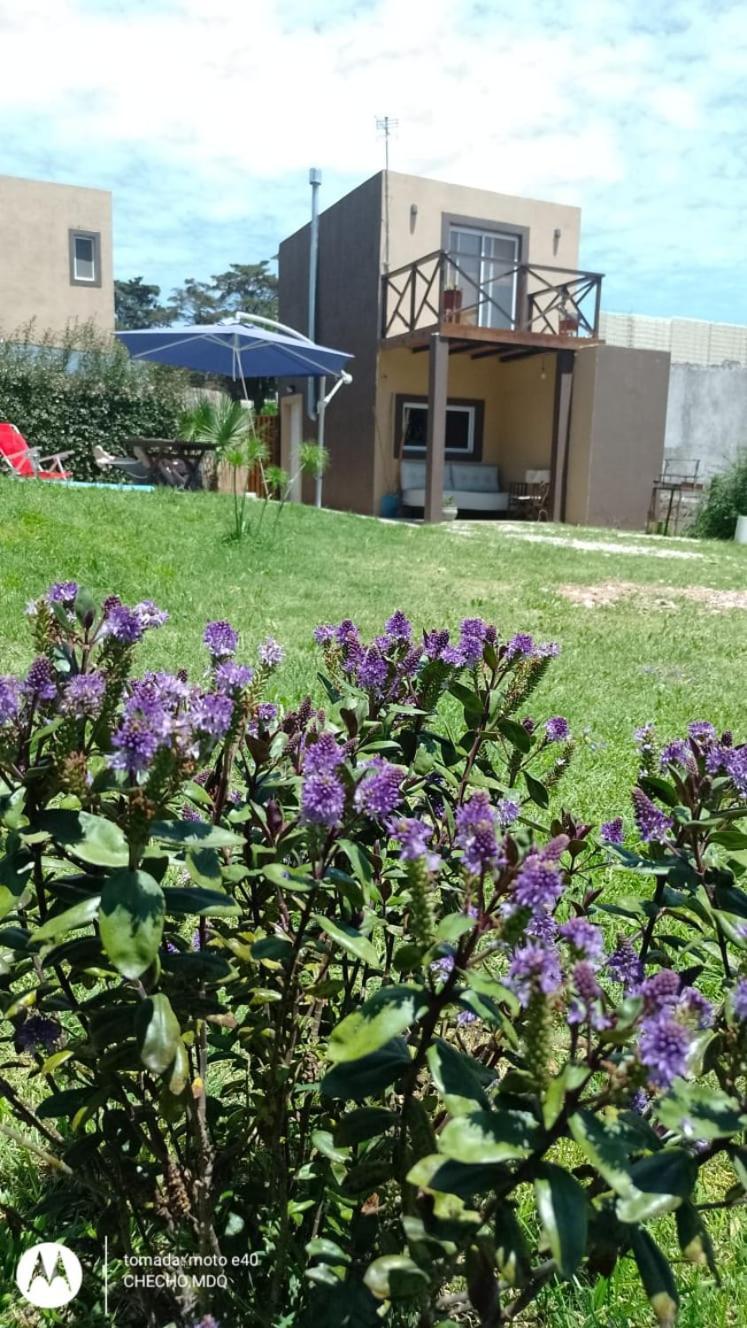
(385, 126)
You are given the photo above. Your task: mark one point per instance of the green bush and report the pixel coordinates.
(725, 500)
(80, 389)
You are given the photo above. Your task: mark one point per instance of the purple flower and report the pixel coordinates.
(398, 628)
(660, 990)
(266, 713)
(379, 791)
(212, 713)
(587, 991)
(434, 643)
(414, 837)
(652, 824)
(38, 1030)
(231, 677)
(135, 746)
(444, 966)
(539, 884)
(322, 799)
(323, 756)
(473, 636)
(557, 729)
(644, 737)
(663, 1048)
(150, 615)
(735, 764)
(739, 999)
(189, 814)
(270, 653)
(41, 680)
(10, 699)
(372, 671)
(84, 696)
(520, 644)
(624, 966)
(507, 810)
(541, 926)
(220, 638)
(694, 1005)
(534, 969)
(122, 623)
(583, 937)
(466, 1017)
(675, 753)
(547, 650)
(475, 826)
(611, 832)
(701, 730)
(63, 592)
(323, 634)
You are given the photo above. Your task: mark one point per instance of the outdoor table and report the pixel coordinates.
(172, 462)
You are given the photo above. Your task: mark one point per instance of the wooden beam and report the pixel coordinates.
(438, 386)
(561, 431)
(486, 337)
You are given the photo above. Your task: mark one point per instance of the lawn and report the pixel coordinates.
(649, 630)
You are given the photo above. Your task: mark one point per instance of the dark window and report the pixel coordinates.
(85, 258)
(464, 420)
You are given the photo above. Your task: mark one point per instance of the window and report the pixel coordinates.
(85, 258)
(463, 427)
(483, 271)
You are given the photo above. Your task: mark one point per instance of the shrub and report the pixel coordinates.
(320, 999)
(80, 389)
(725, 500)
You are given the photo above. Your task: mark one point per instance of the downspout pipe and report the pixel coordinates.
(315, 180)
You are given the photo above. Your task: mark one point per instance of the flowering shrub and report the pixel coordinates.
(329, 1001)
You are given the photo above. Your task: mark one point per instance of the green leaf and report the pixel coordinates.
(656, 787)
(131, 921)
(536, 790)
(360, 863)
(369, 1075)
(272, 947)
(570, 1077)
(437, 1174)
(15, 878)
(158, 1033)
(660, 1184)
(489, 1136)
(385, 1014)
(656, 1276)
(511, 1250)
(454, 925)
(363, 1123)
(181, 900)
(694, 1239)
(67, 1102)
(12, 810)
(515, 733)
(349, 939)
(563, 1212)
(456, 1079)
(204, 866)
(91, 838)
(77, 916)
(395, 1277)
(189, 834)
(697, 1112)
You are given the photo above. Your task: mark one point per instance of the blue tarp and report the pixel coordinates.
(236, 350)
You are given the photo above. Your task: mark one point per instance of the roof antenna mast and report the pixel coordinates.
(386, 126)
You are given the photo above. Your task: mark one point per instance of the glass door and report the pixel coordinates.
(481, 280)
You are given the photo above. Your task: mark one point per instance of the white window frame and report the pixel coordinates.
(94, 240)
(469, 411)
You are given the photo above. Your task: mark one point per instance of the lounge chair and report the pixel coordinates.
(136, 470)
(25, 462)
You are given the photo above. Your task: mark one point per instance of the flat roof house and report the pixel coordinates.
(478, 359)
(55, 255)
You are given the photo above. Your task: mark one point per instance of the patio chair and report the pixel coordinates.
(24, 462)
(529, 499)
(136, 470)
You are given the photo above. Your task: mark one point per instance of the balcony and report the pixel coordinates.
(528, 304)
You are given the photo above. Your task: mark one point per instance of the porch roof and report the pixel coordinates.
(481, 342)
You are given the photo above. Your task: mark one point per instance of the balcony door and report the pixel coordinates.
(483, 270)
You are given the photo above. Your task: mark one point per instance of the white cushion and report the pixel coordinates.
(474, 477)
(481, 502)
(412, 474)
(413, 497)
(537, 476)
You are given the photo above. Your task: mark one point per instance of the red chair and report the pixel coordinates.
(24, 462)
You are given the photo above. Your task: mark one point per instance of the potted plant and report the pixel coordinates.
(452, 302)
(449, 507)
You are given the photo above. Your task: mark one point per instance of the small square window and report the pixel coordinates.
(84, 258)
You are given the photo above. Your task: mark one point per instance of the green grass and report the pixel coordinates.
(655, 655)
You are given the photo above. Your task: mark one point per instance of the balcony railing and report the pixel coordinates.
(527, 297)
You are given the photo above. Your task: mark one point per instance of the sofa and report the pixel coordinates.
(473, 485)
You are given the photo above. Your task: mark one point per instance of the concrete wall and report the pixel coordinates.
(706, 417)
(347, 319)
(518, 409)
(35, 221)
(618, 414)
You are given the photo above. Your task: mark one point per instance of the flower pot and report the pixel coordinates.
(449, 513)
(451, 305)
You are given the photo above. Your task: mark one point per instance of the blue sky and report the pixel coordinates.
(203, 116)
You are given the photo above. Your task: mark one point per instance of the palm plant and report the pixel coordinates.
(229, 426)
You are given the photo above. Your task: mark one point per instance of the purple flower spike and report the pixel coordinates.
(324, 633)
(583, 937)
(84, 696)
(652, 824)
(624, 966)
(701, 730)
(611, 832)
(271, 653)
(539, 884)
(521, 644)
(150, 615)
(557, 729)
(372, 671)
(473, 635)
(10, 699)
(475, 822)
(122, 623)
(507, 811)
(220, 638)
(534, 969)
(663, 1048)
(379, 791)
(660, 990)
(41, 681)
(414, 837)
(63, 592)
(212, 714)
(398, 628)
(322, 800)
(739, 1000)
(323, 756)
(232, 678)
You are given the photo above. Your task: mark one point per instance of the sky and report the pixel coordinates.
(203, 117)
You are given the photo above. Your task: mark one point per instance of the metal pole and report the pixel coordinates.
(315, 180)
(320, 439)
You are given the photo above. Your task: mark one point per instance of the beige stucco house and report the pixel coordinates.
(476, 342)
(55, 255)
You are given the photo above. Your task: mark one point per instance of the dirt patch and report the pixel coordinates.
(661, 597)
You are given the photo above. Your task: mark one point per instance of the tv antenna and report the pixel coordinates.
(385, 126)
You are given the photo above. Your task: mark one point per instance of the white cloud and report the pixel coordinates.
(216, 108)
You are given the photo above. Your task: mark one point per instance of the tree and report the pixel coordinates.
(248, 287)
(136, 305)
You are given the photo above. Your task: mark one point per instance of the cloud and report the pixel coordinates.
(203, 117)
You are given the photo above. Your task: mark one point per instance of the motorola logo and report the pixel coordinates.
(49, 1275)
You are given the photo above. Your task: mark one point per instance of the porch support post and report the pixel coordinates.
(561, 431)
(438, 381)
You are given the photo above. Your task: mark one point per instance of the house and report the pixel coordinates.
(476, 341)
(55, 255)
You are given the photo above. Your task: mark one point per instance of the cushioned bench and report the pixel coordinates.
(473, 485)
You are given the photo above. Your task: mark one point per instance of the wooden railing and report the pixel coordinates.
(527, 297)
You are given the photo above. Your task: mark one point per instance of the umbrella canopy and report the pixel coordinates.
(236, 350)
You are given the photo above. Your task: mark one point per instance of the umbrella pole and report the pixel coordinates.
(321, 408)
(265, 490)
